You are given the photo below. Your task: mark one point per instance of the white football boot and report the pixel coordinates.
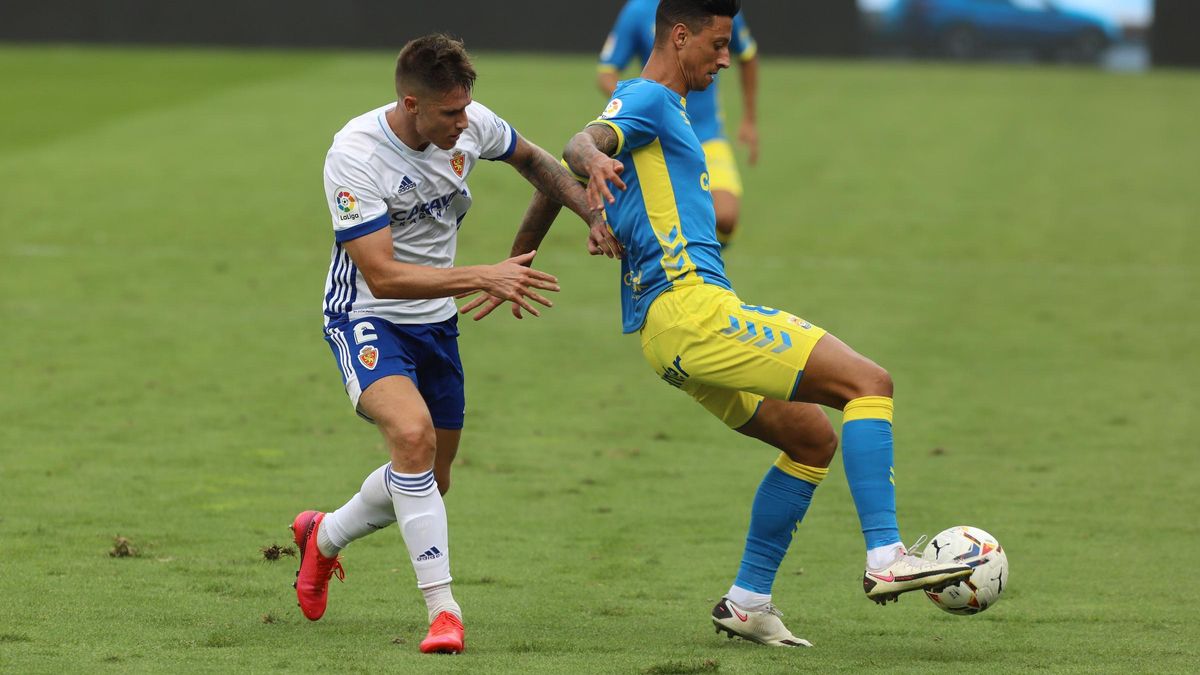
(764, 626)
(911, 573)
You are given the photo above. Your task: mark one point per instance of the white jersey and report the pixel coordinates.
(373, 180)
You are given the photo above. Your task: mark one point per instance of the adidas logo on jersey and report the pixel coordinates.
(431, 553)
(406, 185)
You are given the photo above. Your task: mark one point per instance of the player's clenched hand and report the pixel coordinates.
(602, 171)
(602, 241)
(514, 281)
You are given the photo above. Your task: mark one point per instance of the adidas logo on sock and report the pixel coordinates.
(406, 185)
(430, 554)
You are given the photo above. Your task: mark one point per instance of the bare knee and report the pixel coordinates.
(877, 382)
(802, 431)
(868, 379)
(727, 211)
(815, 448)
(727, 221)
(412, 446)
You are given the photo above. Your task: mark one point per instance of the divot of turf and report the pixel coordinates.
(122, 548)
(275, 552)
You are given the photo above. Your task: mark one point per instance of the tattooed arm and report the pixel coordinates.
(555, 187)
(539, 216)
(555, 184)
(590, 154)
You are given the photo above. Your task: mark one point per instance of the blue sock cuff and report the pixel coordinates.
(782, 480)
(411, 484)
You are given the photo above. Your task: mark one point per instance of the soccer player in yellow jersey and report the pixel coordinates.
(762, 371)
(632, 36)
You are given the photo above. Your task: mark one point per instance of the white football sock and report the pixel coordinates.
(421, 514)
(366, 512)
(747, 599)
(882, 556)
(439, 599)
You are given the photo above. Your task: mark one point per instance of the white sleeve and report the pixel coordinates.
(496, 138)
(354, 198)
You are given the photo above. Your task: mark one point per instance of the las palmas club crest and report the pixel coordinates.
(458, 162)
(368, 356)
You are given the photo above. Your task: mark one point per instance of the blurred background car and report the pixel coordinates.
(966, 29)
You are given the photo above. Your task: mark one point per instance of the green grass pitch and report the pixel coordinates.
(1017, 246)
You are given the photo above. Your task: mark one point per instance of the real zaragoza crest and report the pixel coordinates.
(368, 356)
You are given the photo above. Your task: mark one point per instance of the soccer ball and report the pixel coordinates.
(970, 546)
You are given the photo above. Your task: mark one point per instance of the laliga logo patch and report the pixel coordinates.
(347, 205)
(797, 321)
(368, 356)
(458, 161)
(614, 107)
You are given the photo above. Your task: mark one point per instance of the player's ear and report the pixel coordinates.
(679, 35)
(410, 105)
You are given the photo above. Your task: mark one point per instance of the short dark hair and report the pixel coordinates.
(695, 14)
(433, 63)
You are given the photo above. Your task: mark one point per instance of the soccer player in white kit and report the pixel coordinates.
(395, 181)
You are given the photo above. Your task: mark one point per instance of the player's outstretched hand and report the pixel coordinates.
(485, 302)
(602, 171)
(512, 281)
(602, 241)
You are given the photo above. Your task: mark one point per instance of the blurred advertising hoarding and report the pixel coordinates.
(1108, 33)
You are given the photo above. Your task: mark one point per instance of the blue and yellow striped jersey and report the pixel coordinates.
(665, 217)
(633, 37)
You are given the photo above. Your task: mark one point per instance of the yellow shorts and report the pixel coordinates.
(726, 354)
(722, 167)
